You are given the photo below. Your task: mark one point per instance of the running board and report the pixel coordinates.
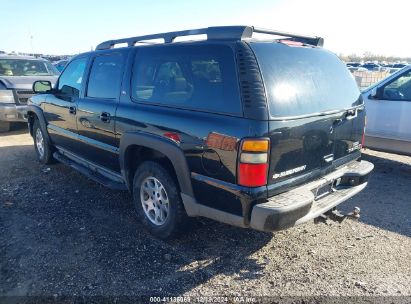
(93, 175)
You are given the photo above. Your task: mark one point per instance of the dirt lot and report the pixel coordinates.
(62, 234)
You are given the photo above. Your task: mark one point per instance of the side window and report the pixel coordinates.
(105, 77)
(399, 89)
(70, 81)
(201, 77)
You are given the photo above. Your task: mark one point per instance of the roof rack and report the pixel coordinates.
(214, 33)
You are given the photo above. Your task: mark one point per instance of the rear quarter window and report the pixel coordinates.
(303, 81)
(198, 77)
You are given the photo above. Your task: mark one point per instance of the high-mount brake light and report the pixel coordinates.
(291, 43)
(253, 162)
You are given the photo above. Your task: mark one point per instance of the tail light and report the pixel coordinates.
(253, 162)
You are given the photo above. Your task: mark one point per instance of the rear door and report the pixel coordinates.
(96, 112)
(316, 114)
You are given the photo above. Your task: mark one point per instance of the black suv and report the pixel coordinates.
(260, 134)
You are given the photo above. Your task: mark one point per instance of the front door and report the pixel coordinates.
(96, 112)
(389, 111)
(60, 110)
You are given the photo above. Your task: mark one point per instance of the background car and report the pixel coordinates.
(17, 74)
(61, 64)
(388, 105)
(353, 66)
(370, 66)
(396, 67)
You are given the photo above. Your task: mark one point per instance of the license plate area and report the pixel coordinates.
(323, 190)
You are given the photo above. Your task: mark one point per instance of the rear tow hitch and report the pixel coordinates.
(337, 216)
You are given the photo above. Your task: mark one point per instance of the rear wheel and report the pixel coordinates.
(157, 201)
(42, 144)
(5, 126)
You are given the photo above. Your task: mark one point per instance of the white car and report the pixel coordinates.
(388, 106)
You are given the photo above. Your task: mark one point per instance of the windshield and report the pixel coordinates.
(24, 67)
(302, 81)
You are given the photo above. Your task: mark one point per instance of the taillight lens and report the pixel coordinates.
(253, 162)
(255, 145)
(252, 175)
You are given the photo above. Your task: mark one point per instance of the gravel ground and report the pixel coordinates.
(62, 234)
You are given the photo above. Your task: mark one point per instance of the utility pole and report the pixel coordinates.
(31, 42)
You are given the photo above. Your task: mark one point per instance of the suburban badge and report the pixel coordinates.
(289, 172)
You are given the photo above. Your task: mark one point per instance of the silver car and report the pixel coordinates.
(388, 105)
(17, 75)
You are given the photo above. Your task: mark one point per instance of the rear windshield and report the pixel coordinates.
(24, 67)
(303, 81)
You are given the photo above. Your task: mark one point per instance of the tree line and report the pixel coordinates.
(368, 56)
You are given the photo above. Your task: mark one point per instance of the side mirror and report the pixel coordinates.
(41, 86)
(373, 94)
(376, 93)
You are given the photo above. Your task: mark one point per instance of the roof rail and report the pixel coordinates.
(312, 40)
(213, 33)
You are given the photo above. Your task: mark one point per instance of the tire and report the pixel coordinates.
(5, 126)
(169, 224)
(44, 149)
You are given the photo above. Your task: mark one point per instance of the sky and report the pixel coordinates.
(70, 27)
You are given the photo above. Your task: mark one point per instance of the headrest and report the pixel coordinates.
(180, 84)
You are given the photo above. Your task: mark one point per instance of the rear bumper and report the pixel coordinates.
(300, 205)
(12, 113)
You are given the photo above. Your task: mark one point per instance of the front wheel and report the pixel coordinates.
(157, 201)
(42, 144)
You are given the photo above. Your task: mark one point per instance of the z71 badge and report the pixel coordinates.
(289, 172)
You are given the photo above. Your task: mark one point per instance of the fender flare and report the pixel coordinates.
(40, 115)
(165, 146)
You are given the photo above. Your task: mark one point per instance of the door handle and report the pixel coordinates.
(72, 110)
(105, 117)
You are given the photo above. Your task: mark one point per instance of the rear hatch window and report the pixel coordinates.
(303, 81)
(309, 92)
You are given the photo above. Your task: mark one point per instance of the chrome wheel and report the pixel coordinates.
(40, 143)
(154, 200)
